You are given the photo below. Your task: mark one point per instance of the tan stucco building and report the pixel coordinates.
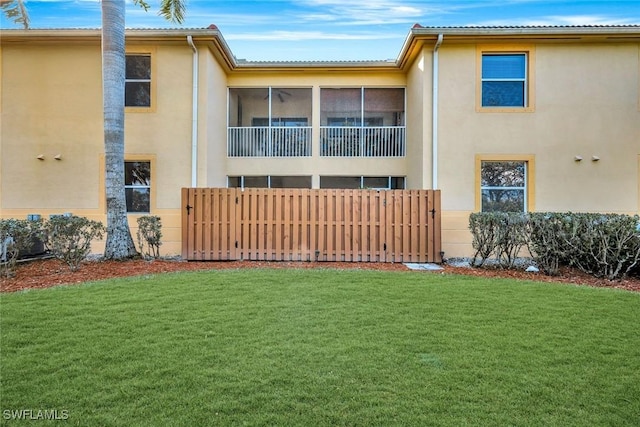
(517, 118)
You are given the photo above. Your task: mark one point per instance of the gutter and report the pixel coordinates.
(434, 112)
(194, 116)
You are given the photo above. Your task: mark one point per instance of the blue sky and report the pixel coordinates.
(305, 30)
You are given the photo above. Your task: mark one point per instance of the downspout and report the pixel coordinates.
(434, 112)
(194, 116)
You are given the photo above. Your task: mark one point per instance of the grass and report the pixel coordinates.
(321, 347)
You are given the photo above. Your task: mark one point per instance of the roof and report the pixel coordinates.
(418, 37)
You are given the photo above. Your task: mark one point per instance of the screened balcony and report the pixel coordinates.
(269, 122)
(354, 122)
(362, 122)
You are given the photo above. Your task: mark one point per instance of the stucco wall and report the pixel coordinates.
(419, 119)
(49, 116)
(212, 124)
(586, 104)
(52, 99)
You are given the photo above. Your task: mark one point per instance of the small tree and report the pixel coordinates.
(149, 235)
(69, 238)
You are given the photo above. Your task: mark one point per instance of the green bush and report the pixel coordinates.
(603, 245)
(69, 238)
(483, 226)
(149, 235)
(498, 234)
(545, 241)
(16, 235)
(512, 236)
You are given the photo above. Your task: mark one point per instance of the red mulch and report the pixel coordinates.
(50, 272)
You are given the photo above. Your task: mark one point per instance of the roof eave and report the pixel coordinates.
(418, 36)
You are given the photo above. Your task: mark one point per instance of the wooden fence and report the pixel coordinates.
(311, 225)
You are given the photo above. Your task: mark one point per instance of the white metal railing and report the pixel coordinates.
(264, 141)
(355, 141)
(338, 141)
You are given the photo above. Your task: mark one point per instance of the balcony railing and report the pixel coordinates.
(383, 141)
(259, 141)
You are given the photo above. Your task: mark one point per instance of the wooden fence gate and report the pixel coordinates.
(311, 225)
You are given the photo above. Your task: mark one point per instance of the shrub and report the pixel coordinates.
(603, 245)
(606, 245)
(498, 234)
(149, 235)
(16, 235)
(512, 235)
(545, 242)
(483, 228)
(69, 238)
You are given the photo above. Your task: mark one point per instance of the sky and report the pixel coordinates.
(335, 30)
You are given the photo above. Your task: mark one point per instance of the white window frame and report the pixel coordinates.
(529, 50)
(523, 188)
(524, 80)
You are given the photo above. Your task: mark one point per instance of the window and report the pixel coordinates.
(505, 81)
(280, 121)
(503, 186)
(354, 121)
(366, 182)
(137, 186)
(138, 81)
(269, 181)
(362, 122)
(368, 107)
(269, 122)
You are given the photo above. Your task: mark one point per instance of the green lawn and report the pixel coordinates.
(321, 347)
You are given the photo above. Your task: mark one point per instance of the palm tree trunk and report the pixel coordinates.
(119, 244)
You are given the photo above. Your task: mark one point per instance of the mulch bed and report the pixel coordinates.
(46, 273)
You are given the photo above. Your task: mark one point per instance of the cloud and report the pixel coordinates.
(366, 12)
(555, 20)
(307, 35)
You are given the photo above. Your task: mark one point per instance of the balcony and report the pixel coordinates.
(379, 141)
(353, 122)
(265, 141)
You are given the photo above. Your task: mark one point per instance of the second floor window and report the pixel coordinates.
(504, 80)
(269, 122)
(138, 81)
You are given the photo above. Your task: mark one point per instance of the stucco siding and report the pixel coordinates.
(36, 123)
(585, 105)
(212, 122)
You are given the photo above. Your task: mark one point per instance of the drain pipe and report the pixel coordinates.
(194, 116)
(434, 112)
